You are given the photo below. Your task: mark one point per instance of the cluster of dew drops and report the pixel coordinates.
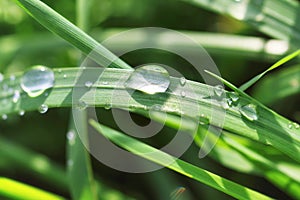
(34, 83)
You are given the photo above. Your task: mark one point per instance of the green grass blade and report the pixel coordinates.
(184, 168)
(16, 190)
(287, 58)
(68, 31)
(271, 128)
(286, 82)
(277, 18)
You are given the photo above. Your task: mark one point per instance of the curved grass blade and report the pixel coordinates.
(286, 82)
(287, 58)
(271, 128)
(68, 31)
(16, 190)
(184, 168)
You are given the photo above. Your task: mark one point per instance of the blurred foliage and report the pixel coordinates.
(23, 43)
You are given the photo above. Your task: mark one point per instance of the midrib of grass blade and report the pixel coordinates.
(68, 31)
(178, 165)
(287, 58)
(271, 128)
(277, 18)
(286, 82)
(16, 190)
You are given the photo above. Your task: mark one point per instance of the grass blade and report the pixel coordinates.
(16, 190)
(68, 31)
(179, 166)
(287, 58)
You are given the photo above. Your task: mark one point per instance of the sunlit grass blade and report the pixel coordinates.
(178, 165)
(15, 190)
(286, 82)
(287, 58)
(277, 18)
(68, 31)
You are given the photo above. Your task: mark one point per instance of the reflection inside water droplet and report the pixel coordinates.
(35, 81)
(43, 109)
(150, 79)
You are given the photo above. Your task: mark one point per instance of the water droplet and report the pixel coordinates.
(150, 79)
(107, 106)
(65, 75)
(4, 117)
(81, 105)
(296, 126)
(105, 83)
(22, 112)
(203, 119)
(218, 89)
(233, 96)
(88, 84)
(16, 96)
(229, 102)
(12, 77)
(183, 94)
(290, 125)
(224, 104)
(249, 112)
(46, 94)
(156, 107)
(43, 109)
(71, 137)
(1, 77)
(35, 81)
(182, 81)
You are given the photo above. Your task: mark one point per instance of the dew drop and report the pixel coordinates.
(107, 106)
(105, 83)
(218, 89)
(16, 96)
(81, 105)
(150, 79)
(229, 102)
(183, 94)
(71, 137)
(249, 112)
(65, 75)
(22, 112)
(203, 119)
(43, 109)
(296, 126)
(35, 81)
(290, 125)
(233, 96)
(4, 117)
(224, 104)
(182, 81)
(88, 84)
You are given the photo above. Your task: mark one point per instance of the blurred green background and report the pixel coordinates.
(24, 43)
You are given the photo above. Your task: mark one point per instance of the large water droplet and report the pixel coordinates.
(218, 89)
(16, 96)
(249, 112)
(43, 109)
(35, 81)
(150, 79)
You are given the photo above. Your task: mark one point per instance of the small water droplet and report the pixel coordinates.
(229, 102)
(105, 83)
(35, 81)
(249, 112)
(43, 109)
(12, 77)
(22, 112)
(218, 89)
(182, 81)
(183, 94)
(81, 105)
(224, 104)
(4, 117)
(71, 137)
(46, 94)
(290, 125)
(1, 77)
(296, 126)
(150, 79)
(88, 84)
(156, 107)
(107, 106)
(65, 75)
(233, 96)
(16, 96)
(203, 119)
